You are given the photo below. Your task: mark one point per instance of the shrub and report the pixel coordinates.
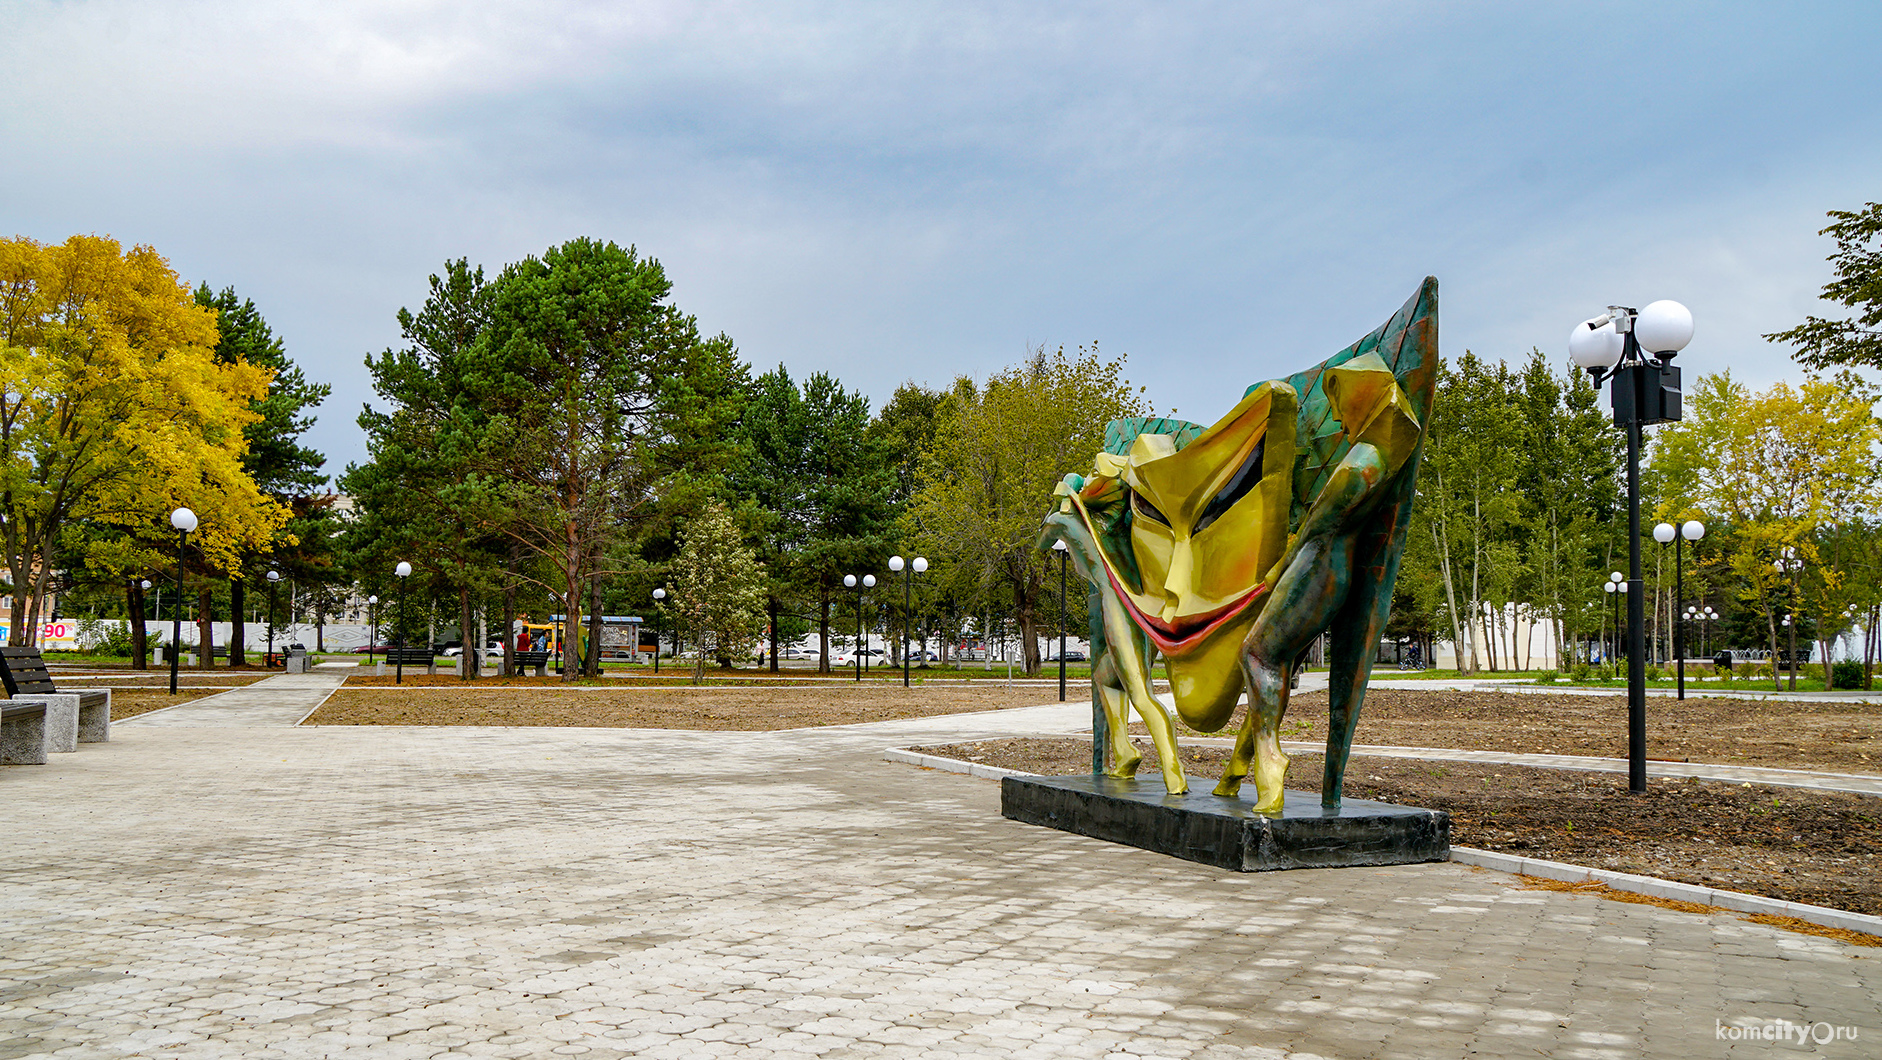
(103, 637)
(1548, 677)
(1580, 672)
(1846, 674)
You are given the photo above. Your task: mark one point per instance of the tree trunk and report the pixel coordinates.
(320, 622)
(771, 608)
(823, 628)
(591, 659)
(1777, 677)
(1450, 596)
(509, 617)
(140, 646)
(205, 630)
(471, 662)
(1026, 609)
(238, 634)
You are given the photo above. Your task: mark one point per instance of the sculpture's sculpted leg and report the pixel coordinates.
(1116, 701)
(1306, 596)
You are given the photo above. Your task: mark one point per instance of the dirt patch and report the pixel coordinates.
(661, 707)
(1824, 848)
(1796, 734)
(130, 702)
(155, 678)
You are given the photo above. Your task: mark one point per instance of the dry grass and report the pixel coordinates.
(1788, 923)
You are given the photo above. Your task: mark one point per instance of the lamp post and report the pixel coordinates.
(404, 571)
(1635, 349)
(1691, 530)
(1065, 558)
(913, 567)
(372, 627)
(184, 520)
(1789, 566)
(1610, 587)
(274, 578)
(658, 595)
(850, 581)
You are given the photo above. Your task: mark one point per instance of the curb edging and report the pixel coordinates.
(1655, 887)
(1652, 886)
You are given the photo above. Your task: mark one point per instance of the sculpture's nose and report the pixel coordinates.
(1179, 586)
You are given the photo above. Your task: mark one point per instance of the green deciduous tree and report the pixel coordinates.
(999, 448)
(718, 588)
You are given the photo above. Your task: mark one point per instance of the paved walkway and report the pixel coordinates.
(272, 702)
(204, 886)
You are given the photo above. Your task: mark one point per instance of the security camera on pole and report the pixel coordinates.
(1634, 349)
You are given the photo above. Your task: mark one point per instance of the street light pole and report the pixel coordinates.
(404, 571)
(912, 568)
(274, 578)
(184, 520)
(1065, 558)
(372, 627)
(1635, 349)
(658, 595)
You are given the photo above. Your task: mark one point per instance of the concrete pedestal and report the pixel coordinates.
(1227, 833)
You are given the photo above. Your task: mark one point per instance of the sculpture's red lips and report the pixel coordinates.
(1174, 640)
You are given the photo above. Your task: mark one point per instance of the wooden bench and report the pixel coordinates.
(22, 734)
(72, 717)
(412, 657)
(538, 660)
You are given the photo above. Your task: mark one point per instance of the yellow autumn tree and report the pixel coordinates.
(114, 410)
(1780, 468)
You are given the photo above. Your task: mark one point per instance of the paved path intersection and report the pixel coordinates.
(200, 889)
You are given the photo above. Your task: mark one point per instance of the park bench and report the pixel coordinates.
(412, 657)
(536, 660)
(71, 717)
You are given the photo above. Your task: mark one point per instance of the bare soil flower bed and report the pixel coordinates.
(1824, 848)
(1838, 736)
(529, 701)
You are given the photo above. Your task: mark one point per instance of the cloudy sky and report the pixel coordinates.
(887, 191)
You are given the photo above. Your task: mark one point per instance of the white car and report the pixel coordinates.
(495, 648)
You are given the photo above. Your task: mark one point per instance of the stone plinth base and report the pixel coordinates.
(1227, 833)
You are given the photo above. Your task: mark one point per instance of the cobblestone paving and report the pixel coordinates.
(209, 891)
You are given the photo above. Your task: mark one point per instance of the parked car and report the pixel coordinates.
(376, 649)
(1071, 655)
(455, 650)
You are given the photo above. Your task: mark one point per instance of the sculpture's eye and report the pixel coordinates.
(1147, 509)
(1245, 478)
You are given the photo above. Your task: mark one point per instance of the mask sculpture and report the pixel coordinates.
(1228, 550)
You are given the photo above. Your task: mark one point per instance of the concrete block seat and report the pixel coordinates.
(70, 717)
(22, 734)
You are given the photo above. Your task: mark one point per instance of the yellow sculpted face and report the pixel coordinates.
(1210, 520)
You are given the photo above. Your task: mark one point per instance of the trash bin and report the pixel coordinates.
(1722, 660)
